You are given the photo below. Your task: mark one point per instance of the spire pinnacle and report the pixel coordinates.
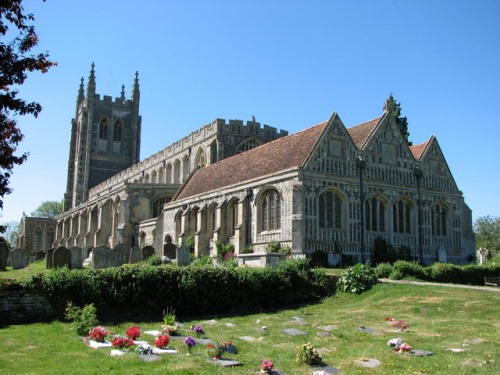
(122, 96)
(81, 94)
(135, 92)
(91, 83)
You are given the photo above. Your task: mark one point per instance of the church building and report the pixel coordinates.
(327, 188)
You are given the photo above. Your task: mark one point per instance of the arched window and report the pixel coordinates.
(270, 210)
(232, 216)
(375, 215)
(330, 210)
(117, 131)
(438, 217)
(37, 239)
(49, 238)
(158, 205)
(200, 158)
(103, 129)
(401, 216)
(247, 145)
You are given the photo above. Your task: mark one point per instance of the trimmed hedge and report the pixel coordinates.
(438, 272)
(189, 290)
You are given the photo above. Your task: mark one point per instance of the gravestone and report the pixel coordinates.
(442, 255)
(101, 257)
(40, 255)
(147, 252)
(293, 332)
(19, 258)
(169, 250)
(61, 257)
(76, 257)
(4, 255)
(334, 259)
(182, 255)
(120, 255)
(48, 258)
(135, 255)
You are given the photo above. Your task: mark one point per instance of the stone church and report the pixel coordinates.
(328, 188)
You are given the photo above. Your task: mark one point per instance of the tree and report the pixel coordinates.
(48, 209)
(11, 232)
(487, 231)
(15, 63)
(394, 109)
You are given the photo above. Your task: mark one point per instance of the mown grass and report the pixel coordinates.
(440, 318)
(32, 269)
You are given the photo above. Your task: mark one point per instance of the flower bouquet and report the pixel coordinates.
(199, 330)
(133, 333)
(308, 354)
(189, 342)
(144, 349)
(122, 343)
(266, 367)
(400, 324)
(393, 343)
(162, 341)
(98, 334)
(216, 351)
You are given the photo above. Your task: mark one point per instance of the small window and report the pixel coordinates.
(330, 210)
(401, 216)
(270, 211)
(438, 217)
(117, 131)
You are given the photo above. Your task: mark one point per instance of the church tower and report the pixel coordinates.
(105, 139)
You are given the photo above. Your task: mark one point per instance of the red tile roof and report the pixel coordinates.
(418, 150)
(360, 133)
(283, 153)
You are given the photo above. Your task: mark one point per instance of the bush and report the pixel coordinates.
(154, 260)
(223, 249)
(248, 249)
(82, 319)
(273, 247)
(409, 268)
(383, 270)
(202, 261)
(357, 279)
(319, 259)
(396, 274)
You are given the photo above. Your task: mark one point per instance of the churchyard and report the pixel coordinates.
(456, 330)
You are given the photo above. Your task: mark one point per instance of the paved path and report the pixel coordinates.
(489, 288)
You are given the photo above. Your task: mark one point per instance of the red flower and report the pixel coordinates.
(133, 332)
(98, 334)
(162, 341)
(122, 342)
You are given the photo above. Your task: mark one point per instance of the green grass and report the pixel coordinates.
(32, 269)
(439, 318)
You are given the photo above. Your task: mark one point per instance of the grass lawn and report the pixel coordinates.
(440, 318)
(32, 269)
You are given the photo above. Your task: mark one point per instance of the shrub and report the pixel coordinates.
(356, 279)
(248, 249)
(273, 247)
(383, 270)
(202, 261)
(154, 260)
(396, 274)
(409, 268)
(319, 259)
(223, 249)
(82, 319)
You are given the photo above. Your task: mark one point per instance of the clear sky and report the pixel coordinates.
(291, 64)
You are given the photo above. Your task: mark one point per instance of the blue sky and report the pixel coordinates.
(291, 64)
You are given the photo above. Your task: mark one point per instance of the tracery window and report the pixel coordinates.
(330, 210)
(270, 210)
(158, 205)
(49, 238)
(103, 129)
(438, 217)
(401, 216)
(375, 215)
(117, 131)
(37, 238)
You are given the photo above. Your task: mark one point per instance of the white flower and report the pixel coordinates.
(394, 342)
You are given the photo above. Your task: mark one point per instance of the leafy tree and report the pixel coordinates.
(17, 38)
(487, 231)
(394, 109)
(49, 209)
(11, 232)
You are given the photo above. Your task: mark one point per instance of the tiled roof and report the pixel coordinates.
(418, 150)
(281, 154)
(360, 133)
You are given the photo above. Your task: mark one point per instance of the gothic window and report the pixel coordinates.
(37, 239)
(247, 145)
(374, 215)
(103, 129)
(330, 210)
(117, 131)
(200, 158)
(49, 238)
(438, 217)
(232, 218)
(270, 210)
(158, 205)
(401, 216)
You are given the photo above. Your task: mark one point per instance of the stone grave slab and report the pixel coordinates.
(61, 257)
(169, 250)
(135, 255)
(155, 333)
(149, 357)
(4, 254)
(324, 334)
(99, 345)
(48, 258)
(141, 342)
(164, 351)
(204, 341)
(328, 328)
(226, 362)
(420, 353)
(293, 332)
(76, 257)
(147, 252)
(368, 330)
(120, 255)
(368, 362)
(183, 256)
(250, 338)
(230, 325)
(19, 258)
(101, 257)
(211, 322)
(327, 369)
(456, 350)
(118, 352)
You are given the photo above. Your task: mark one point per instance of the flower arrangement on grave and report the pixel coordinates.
(393, 343)
(308, 354)
(389, 319)
(320, 372)
(169, 326)
(122, 342)
(216, 351)
(266, 367)
(199, 330)
(144, 349)
(98, 334)
(189, 342)
(133, 332)
(400, 324)
(404, 347)
(162, 341)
